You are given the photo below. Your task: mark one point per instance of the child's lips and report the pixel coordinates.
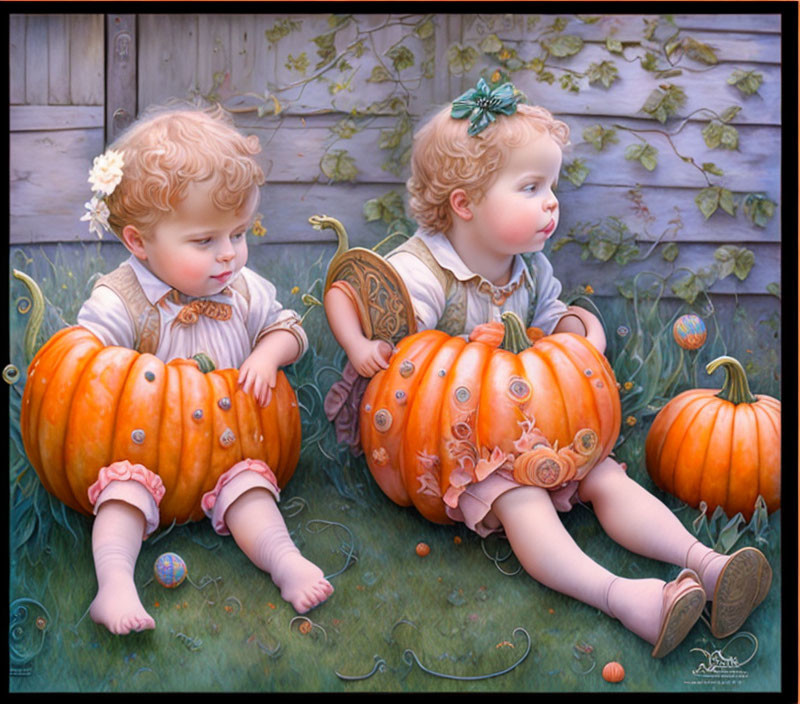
(550, 227)
(222, 278)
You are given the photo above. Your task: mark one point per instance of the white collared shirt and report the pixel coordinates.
(228, 343)
(428, 297)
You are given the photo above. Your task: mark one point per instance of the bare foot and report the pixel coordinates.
(301, 582)
(118, 608)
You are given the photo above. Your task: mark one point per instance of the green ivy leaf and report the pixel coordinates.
(664, 101)
(715, 134)
(712, 168)
(567, 82)
(388, 207)
(389, 139)
(775, 289)
(401, 57)
(425, 29)
(649, 62)
(759, 209)
(461, 59)
(748, 82)
(734, 260)
(326, 49)
(536, 65)
(669, 252)
(689, 288)
(559, 25)
(563, 45)
(713, 197)
(545, 77)
(605, 72)
(338, 165)
(600, 137)
(345, 128)
(379, 75)
(298, 63)
(614, 45)
(729, 113)
(491, 44)
(576, 171)
(625, 252)
(644, 153)
(282, 29)
(699, 52)
(602, 249)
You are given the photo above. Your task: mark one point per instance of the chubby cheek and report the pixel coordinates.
(515, 226)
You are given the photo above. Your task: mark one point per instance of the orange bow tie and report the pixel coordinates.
(193, 308)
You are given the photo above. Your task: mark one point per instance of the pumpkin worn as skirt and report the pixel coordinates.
(452, 424)
(86, 406)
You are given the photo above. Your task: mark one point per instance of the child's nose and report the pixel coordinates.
(226, 253)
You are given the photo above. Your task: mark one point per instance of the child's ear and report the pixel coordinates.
(459, 202)
(133, 241)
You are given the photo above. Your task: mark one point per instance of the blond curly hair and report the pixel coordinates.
(168, 149)
(444, 157)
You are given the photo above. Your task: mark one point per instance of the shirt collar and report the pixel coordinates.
(446, 256)
(155, 289)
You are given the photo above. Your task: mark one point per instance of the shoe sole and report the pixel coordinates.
(741, 586)
(679, 621)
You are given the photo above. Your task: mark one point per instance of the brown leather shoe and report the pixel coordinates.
(741, 586)
(684, 599)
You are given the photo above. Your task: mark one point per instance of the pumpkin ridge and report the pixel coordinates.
(88, 363)
(586, 382)
(775, 430)
(690, 406)
(713, 423)
(546, 361)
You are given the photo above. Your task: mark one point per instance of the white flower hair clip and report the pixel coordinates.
(105, 175)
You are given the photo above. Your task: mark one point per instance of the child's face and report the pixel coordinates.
(519, 211)
(197, 248)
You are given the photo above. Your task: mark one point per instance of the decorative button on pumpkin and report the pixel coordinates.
(86, 405)
(719, 446)
(469, 408)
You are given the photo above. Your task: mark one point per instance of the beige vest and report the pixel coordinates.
(146, 316)
(454, 317)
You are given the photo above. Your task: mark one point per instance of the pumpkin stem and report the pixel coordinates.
(204, 362)
(37, 313)
(515, 339)
(735, 389)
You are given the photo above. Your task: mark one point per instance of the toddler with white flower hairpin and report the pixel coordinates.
(180, 190)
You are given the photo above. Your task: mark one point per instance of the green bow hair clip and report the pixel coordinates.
(481, 105)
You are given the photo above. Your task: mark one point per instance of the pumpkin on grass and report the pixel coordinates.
(719, 446)
(86, 405)
(447, 413)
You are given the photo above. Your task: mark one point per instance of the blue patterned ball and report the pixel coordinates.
(689, 332)
(169, 570)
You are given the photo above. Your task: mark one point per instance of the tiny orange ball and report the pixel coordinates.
(613, 672)
(423, 549)
(457, 540)
(305, 627)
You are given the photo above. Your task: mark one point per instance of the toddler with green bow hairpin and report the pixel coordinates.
(180, 189)
(483, 175)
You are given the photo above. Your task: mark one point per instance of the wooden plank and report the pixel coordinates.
(603, 277)
(58, 60)
(243, 52)
(167, 57)
(589, 204)
(16, 59)
(213, 53)
(48, 183)
(26, 118)
(36, 60)
(87, 60)
(121, 83)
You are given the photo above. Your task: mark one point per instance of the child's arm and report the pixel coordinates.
(581, 322)
(259, 372)
(368, 357)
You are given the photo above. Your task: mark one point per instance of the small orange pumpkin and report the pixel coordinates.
(86, 405)
(721, 446)
(448, 412)
(613, 672)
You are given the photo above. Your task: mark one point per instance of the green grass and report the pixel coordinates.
(229, 630)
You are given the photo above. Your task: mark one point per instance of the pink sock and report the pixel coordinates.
(258, 528)
(116, 541)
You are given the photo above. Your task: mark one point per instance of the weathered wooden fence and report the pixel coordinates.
(334, 101)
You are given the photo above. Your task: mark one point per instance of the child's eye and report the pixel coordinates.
(530, 188)
(237, 236)
(203, 242)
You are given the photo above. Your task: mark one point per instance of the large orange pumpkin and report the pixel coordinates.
(448, 412)
(721, 446)
(86, 405)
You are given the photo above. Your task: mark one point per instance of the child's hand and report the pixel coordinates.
(258, 375)
(370, 356)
